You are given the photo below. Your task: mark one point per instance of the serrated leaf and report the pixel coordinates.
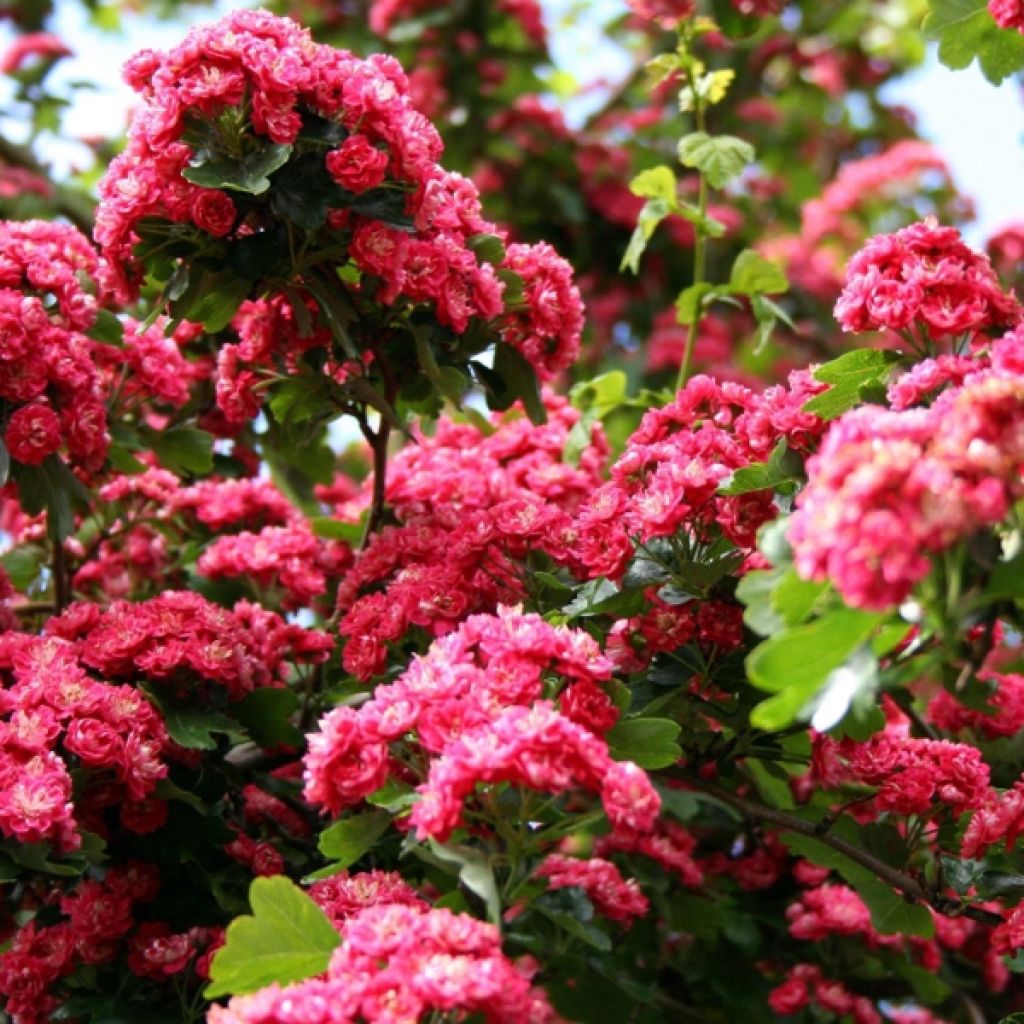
(965, 30)
(653, 212)
(191, 723)
(719, 158)
(691, 301)
(753, 274)
(347, 840)
(488, 248)
(286, 938)
(849, 373)
(655, 183)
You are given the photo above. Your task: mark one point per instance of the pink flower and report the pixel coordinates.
(357, 164)
(32, 433)
(1008, 13)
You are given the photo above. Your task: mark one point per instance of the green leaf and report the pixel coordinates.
(475, 873)
(335, 529)
(852, 371)
(23, 564)
(287, 938)
(655, 183)
(602, 597)
(347, 840)
(782, 466)
(296, 400)
(191, 723)
(719, 158)
(265, 715)
(488, 248)
(691, 301)
(183, 449)
(250, 175)
(795, 664)
(753, 274)
(520, 379)
(965, 30)
(212, 299)
(648, 742)
(653, 212)
(107, 329)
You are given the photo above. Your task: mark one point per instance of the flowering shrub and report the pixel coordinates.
(696, 656)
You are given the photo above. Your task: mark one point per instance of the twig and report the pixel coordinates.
(899, 880)
(61, 579)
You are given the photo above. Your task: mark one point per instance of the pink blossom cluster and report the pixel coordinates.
(910, 774)
(806, 986)
(472, 504)
(184, 642)
(271, 70)
(667, 844)
(290, 559)
(923, 274)
(999, 819)
(1003, 716)
(472, 702)
(399, 962)
(32, 47)
(385, 14)
(612, 895)
(897, 170)
(49, 381)
(1008, 13)
(57, 719)
(888, 490)
(343, 895)
(94, 919)
(668, 477)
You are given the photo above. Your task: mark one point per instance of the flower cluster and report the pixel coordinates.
(909, 773)
(806, 985)
(57, 719)
(923, 274)
(398, 962)
(602, 882)
(473, 702)
(669, 476)
(49, 381)
(888, 489)
(94, 919)
(290, 557)
(184, 642)
(1008, 13)
(256, 82)
(472, 503)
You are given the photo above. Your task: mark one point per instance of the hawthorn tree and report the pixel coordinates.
(654, 652)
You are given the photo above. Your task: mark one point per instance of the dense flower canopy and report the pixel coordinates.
(465, 558)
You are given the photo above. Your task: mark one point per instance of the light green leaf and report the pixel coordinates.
(655, 183)
(287, 938)
(347, 840)
(863, 367)
(753, 274)
(965, 30)
(654, 211)
(719, 158)
(475, 873)
(795, 664)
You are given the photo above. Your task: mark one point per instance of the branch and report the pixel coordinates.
(69, 203)
(899, 880)
(61, 578)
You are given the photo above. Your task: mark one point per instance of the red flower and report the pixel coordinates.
(33, 433)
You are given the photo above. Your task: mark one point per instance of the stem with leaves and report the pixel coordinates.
(700, 252)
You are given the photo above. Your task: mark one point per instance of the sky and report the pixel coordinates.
(977, 127)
